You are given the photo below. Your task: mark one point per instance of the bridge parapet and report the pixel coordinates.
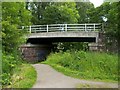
(64, 27)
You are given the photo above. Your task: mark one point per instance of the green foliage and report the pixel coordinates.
(107, 14)
(23, 76)
(52, 12)
(87, 65)
(14, 15)
(109, 11)
(11, 37)
(9, 62)
(83, 9)
(37, 9)
(15, 74)
(111, 29)
(61, 13)
(73, 46)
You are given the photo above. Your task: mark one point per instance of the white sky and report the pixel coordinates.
(96, 2)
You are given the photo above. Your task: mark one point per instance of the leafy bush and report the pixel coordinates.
(12, 36)
(9, 62)
(92, 65)
(23, 76)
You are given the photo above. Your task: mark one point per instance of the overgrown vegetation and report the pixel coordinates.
(16, 73)
(86, 65)
(8, 63)
(64, 46)
(23, 76)
(14, 15)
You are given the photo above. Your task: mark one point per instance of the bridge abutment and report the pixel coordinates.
(99, 45)
(35, 52)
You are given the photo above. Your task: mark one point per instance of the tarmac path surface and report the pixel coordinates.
(47, 77)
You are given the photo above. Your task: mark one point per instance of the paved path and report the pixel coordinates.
(47, 77)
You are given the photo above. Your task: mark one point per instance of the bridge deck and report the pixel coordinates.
(63, 34)
(62, 31)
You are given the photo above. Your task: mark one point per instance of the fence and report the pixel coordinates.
(63, 27)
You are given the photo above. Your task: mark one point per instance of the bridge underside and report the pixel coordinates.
(60, 39)
(38, 38)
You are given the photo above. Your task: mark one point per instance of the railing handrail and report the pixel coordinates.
(64, 27)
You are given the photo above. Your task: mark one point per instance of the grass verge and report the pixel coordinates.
(24, 77)
(75, 74)
(86, 65)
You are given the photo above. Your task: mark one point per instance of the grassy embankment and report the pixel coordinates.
(86, 65)
(24, 76)
(16, 73)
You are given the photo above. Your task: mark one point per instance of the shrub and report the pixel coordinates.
(9, 62)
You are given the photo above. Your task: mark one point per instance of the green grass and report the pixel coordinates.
(0, 67)
(86, 65)
(23, 77)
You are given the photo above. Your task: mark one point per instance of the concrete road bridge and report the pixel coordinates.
(41, 37)
(88, 32)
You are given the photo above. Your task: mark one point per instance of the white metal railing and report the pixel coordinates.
(64, 27)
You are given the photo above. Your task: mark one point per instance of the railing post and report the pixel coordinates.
(85, 27)
(47, 28)
(94, 26)
(22, 27)
(66, 27)
(30, 29)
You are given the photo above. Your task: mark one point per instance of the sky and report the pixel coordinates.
(96, 2)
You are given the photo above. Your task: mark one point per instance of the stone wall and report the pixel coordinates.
(34, 53)
(105, 44)
(100, 45)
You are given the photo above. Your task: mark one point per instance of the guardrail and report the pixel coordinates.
(64, 27)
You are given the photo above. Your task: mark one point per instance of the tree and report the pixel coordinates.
(112, 21)
(14, 16)
(109, 11)
(83, 8)
(37, 9)
(118, 18)
(64, 12)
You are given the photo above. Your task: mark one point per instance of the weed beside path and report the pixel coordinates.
(24, 77)
(86, 65)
